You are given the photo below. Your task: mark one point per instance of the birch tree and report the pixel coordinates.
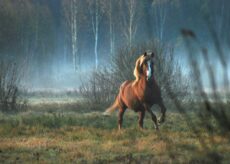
(96, 10)
(130, 15)
(219, 13)
(72, 16)
(160, 11)
(111, 16)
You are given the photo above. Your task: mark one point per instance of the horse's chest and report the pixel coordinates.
(150, 96)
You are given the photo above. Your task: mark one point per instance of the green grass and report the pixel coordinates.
(47, 136)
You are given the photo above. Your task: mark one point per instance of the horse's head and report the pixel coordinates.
(144, 66)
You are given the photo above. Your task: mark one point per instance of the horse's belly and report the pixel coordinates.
(134, 104)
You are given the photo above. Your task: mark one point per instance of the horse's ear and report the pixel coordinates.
(137, 69)
(152, 55)
(145, 54)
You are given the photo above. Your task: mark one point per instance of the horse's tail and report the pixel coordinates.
(112, 108)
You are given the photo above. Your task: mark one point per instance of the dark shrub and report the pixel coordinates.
(10, 76)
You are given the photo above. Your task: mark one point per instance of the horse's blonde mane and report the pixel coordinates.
(137, 70)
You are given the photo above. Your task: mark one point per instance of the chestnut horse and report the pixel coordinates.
(140, 95)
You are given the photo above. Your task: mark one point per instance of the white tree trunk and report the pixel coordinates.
(130, 21)
(111, 29)
(95, 24)
(74, 34)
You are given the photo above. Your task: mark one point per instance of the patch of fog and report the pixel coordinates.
(54, 100)
(66, 79)
(181, 56)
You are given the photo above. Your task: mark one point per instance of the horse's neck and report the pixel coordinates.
(142, 83)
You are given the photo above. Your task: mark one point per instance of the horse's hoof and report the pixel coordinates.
(161, 120)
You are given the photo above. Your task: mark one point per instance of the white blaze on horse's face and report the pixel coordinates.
(149, 70)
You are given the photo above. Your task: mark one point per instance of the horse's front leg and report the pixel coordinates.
(154, 118)
(141, 118)
(163, 111)
(120, 117)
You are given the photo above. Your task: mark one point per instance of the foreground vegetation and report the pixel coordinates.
(48, 136)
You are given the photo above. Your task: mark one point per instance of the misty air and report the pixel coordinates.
(104, 81)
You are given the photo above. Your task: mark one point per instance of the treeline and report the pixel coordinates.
(49, 35)
(28, 34)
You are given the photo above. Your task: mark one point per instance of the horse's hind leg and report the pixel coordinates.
(163, 111)
(141, 118)
(154, 118)
(120, 117)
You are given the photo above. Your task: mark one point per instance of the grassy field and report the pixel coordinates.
(56, 133)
